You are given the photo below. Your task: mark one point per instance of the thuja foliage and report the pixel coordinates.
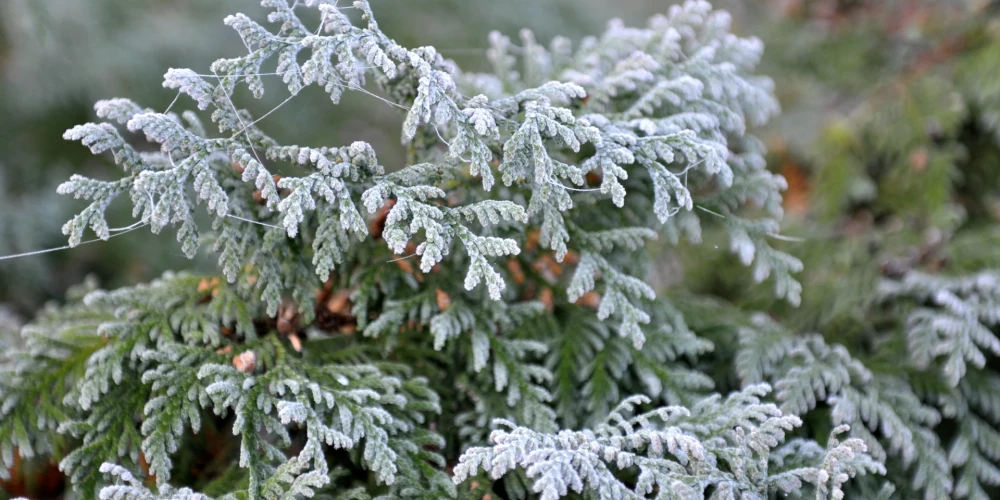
(900, 278)
(472, 323)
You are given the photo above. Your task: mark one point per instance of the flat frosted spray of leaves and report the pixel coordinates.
(660, 109)
(599, 149)
(957, 326)
(723, 443)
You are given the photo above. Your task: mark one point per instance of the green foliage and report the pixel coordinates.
(502, 359)
(899, 277)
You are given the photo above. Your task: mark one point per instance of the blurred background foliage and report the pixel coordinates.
(889, 138)
(890, 142)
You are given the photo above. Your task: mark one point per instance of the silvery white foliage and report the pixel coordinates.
(583, 279)
(102, 193)
(260, 43)
(492, 212)
(752, 182)
(649, 120)
(957, 322)
(679, 458)
(105, 137)
(153, 188)
(684, 46)
(882, 411)
(409, 215)
(480, 247)
(450, 323)
(682, 126)
(188, 82)
(165, 414)
(953, 318)
(525, 155)
(627, 76)
(334, 165)
(608, 157)
(292, 479)
(330, 243)
(479, 123)
(432, 104)
(338, 406)
(817, 372)
(315, 402)
(840, 461)
(671, 101)
(625, 238)
(622, 293)
(748, 240)
(576, 460)
(889, 407)
(127, 487)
